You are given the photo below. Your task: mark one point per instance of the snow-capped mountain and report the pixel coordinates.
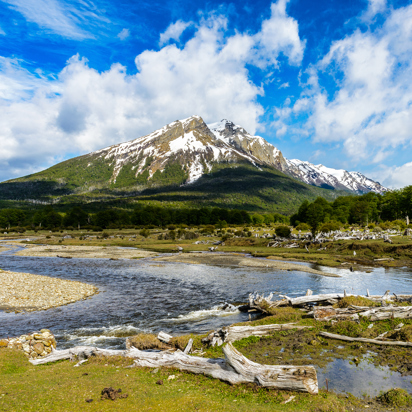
(256, 146)
(197, 147)
(180, 153)
(322, 176)
(188, 142)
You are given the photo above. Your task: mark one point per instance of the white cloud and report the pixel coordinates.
(124, 34)
(284, 85)
(2, 32)
(279, 34)
(60, 17)
(374, 7)
(173, 32)
(83, 110)
(396, 177)
(371, 111)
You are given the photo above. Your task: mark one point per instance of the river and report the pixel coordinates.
(146, 296)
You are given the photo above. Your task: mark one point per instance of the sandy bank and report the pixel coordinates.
(90, 252)
(238, 260)
(28, 292)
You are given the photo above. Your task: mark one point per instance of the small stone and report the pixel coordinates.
(171, 377)
(38, 336)
(38, 347)
(89, 400)
(155, 370)
(4, 343)
(159, 382)
(45, 331)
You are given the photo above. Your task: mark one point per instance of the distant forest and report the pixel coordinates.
(48, 218)
(368, 209)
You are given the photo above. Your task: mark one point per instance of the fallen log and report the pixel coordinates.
(235, 368)
(326, 313)
(233, 333)
(364, 340)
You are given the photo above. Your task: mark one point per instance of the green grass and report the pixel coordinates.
(60, 387)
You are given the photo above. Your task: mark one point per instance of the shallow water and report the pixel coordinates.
(143, 295)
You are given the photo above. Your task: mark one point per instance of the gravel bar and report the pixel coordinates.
(25, 292)
(228, 259)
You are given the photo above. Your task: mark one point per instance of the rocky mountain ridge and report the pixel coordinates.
(197, 147)
(180, 154)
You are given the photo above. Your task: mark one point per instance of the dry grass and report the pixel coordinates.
(145, 341)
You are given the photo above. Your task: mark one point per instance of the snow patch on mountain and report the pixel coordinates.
(319, 175)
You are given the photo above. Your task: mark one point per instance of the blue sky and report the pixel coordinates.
(323, 80)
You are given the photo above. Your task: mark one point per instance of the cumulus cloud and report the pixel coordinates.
(371, 111)
(279, 34)
(173, 32)
(83, 110)
(124, 34)
(396, 177)
(2, 32)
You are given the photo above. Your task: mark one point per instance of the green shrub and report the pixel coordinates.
(282, 231)
(395, 397)
(302, 226)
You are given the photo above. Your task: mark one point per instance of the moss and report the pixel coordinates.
(405, 334)
(356, 301)
(396, 397)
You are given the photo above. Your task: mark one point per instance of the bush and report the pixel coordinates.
(330, 226)
(282, 231)
(171, 227)
(105, 235)
(377, 229)
(302, 226)
(145, 233)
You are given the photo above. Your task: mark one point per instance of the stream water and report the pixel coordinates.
(143, 295)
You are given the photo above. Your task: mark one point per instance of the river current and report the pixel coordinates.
(147, 296)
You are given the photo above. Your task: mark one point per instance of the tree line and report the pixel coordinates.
(361, 210)
(76, 217)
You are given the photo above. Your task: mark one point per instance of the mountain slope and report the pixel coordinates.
(190, 161)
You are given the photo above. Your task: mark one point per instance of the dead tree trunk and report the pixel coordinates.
(234, 369)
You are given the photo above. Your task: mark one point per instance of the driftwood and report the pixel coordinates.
(234, 369)
(325, 313)
(365, 340)
(233, 333)
(263, 304)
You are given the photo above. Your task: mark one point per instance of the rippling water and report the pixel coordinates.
(143, 295)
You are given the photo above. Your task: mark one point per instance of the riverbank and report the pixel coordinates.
(25, 292)
(239, 260)
(85, 252)
(60, 386)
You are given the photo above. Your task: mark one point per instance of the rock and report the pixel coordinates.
(33, 345)
(39, 348)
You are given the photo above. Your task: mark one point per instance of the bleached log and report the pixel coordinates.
(234, 333)
(315, 298)
(234, 369)
(164, 337)
(295, 378)
(365, 340)
(388, 312)
(327, 313)
(263, 304)
(81, 352)
(188, 347)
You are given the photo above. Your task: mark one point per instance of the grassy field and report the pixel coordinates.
(337, 254)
